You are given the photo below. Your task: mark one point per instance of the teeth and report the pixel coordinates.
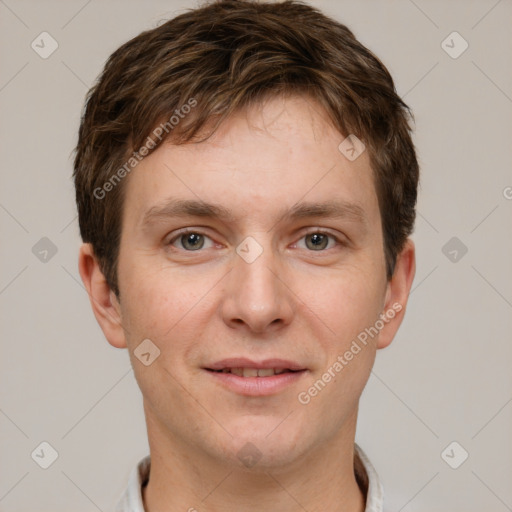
(267, 372)
(254, 372)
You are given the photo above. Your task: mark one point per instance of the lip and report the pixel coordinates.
(256, 386)
(242, 362)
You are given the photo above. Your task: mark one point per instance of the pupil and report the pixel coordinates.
(193, 241)
(317, 241)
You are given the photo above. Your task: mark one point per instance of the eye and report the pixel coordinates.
(191, 241)
(318, 241)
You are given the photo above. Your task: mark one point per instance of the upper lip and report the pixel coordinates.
(242, 362)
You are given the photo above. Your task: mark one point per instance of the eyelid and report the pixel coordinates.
(341, 240)
(183, 231)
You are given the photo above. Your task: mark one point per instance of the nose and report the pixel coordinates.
(257, 298)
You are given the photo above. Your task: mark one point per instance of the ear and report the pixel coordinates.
(397, 294)
(104, 303)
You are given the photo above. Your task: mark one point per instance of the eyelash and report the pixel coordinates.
(186, 231)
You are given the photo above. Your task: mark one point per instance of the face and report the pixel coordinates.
(253, 261)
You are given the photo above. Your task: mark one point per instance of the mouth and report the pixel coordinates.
(255, 372)
(251, 378)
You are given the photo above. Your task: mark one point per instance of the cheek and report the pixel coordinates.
(349, 306)
(168, 307)
(350, 301)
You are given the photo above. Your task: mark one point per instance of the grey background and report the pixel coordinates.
(445, 378)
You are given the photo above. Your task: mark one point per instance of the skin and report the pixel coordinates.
(292, 302)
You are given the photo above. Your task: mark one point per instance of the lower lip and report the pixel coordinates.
(257, 386)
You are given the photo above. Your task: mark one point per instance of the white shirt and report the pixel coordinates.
(367, 478)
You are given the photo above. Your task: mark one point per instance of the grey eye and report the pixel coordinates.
(317, 241)
(192, 241)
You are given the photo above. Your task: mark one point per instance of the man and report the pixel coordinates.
(246, 186)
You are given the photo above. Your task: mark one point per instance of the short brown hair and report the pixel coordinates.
(227, 55)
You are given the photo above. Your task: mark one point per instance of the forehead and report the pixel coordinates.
(267, 157)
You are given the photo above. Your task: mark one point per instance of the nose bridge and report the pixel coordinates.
(257, 298)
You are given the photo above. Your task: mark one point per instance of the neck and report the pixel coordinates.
(184, 478)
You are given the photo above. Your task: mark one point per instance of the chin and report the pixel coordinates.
(265, 442)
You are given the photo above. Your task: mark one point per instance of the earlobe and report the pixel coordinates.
(104, 303)
(397, 293)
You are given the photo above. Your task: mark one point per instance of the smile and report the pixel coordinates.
(250, 378)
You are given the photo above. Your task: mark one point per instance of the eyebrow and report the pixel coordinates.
(331, 209)
(185, 208)
(196, 208)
